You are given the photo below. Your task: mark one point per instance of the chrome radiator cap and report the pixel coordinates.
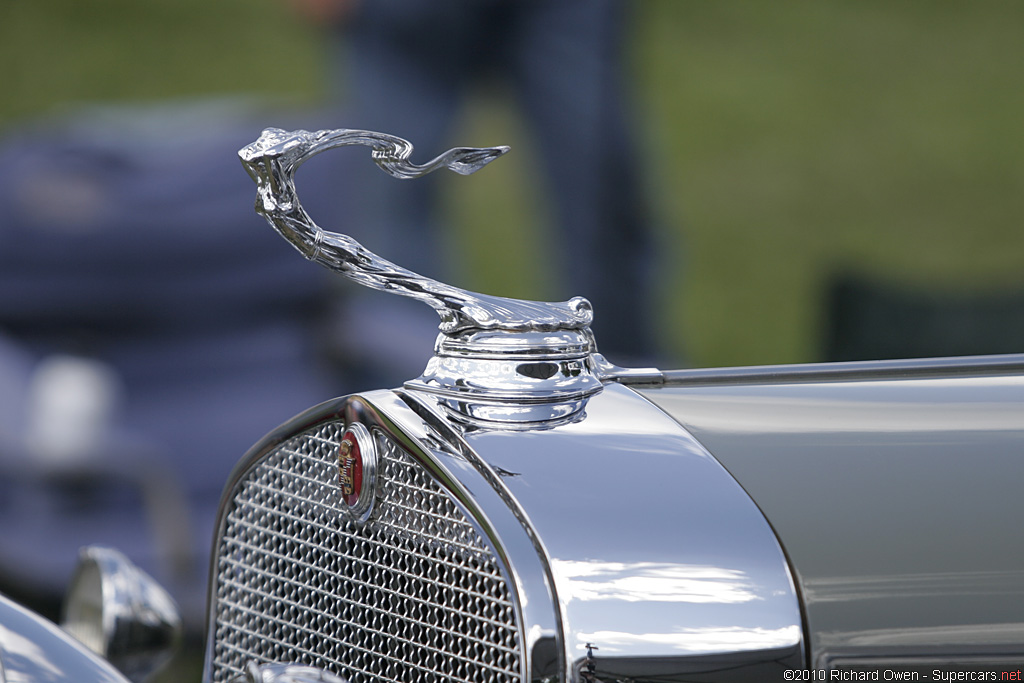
(526, 378)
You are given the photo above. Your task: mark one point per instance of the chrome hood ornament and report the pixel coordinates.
(497, 360)
(272, 161)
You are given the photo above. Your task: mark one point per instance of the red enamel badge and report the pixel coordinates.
(357, 468)
(350, 468)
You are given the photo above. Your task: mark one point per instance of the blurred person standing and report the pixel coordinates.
(407, 66)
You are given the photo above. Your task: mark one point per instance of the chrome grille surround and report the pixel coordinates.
(416, 593)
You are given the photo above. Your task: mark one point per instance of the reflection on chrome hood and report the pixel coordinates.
(699, 640)
(652, 581)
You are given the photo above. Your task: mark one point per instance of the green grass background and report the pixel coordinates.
(785, 140)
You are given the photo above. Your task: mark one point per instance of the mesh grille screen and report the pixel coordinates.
(414, 595)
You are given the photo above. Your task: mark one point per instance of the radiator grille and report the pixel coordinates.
(414, 595)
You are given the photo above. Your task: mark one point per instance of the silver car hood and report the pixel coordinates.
(895, 492)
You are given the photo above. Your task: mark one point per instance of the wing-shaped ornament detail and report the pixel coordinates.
(272, 162)
(502, 361)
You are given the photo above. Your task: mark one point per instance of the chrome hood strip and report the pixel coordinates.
(836, 372)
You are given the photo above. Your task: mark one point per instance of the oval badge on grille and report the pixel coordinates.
(357, 469)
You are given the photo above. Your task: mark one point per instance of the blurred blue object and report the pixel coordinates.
(151, 329)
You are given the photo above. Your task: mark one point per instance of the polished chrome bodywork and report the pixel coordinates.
(894, 488)
(657, 557)
(628, 551)
(35, 649)
(713, 524)
(665, 576)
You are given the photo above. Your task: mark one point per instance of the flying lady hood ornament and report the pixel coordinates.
(496, 359)
(272, 161)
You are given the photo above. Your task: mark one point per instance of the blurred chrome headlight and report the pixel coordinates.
(121, 613)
